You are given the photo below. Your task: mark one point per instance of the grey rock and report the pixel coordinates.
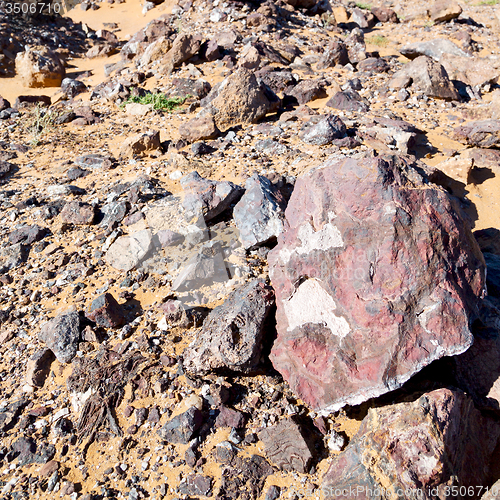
(331, 127)
(260, 213)
(182, 428)
(128, 252)
(232, 336)
(27, 234)
(62, 334)
(433, 48)
(348, 100)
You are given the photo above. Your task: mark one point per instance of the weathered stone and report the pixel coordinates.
(185, 46)
(71, 88)
(4, 103)
(105, 311)
(374, 65)
(196, 484)
(212, 51)
(385, 15)
(62, 334)
(39, 66)
(38, 367)
(232, 336)
(228, 417)
(277, 81)
(207, 197)
(27, 451)
(348, 100)
(356, 46)
(260, 212)
(366, 286)
(363, 19)
(427, 76)
(424, 446)
(444, 10)
(473, 71)
(27, 234)
(76, 212)
(184, 87)
(12, 256)
(199, 128)
(27, 100)
(286, 447)
(183, 427)
(5, 168)
(127, 252)
(482, 134)
(331, 127)
(432, 48)
(240, 98)
(93, 161)
(141, 144)
(308, 90)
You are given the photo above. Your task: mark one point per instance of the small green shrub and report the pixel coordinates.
(378, 40)
(158, 101)
(364, 6)
(39, 121)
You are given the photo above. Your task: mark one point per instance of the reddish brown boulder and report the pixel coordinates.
(425, 446)
(482, 134)
(105, 311)
(76, 212)
(376, 276)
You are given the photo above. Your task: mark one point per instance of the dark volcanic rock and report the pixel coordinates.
(335, 54)
(207, 197)
(228, 417)
(182, 429)
(308, 90)
(27, 234)
(286, 447)
(260, 212)
(366, 295)
(331, 127)
(62, 334)
(105, 311)
(196, 484)
(233, 333)
(483, 134)
(28, 452)
(348, 100)
(424, 446)
(374, 65)
(5, 168)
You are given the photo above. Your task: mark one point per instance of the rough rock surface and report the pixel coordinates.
(240, 98)
(233, 334)
(482, 134)
(127, 252)
(427, 76)
(182, 428)
(105, 311)
(260, 212)
(421, 445)
(207, 197)
(363, 280)
(40, 67)
(62, 334)
(286, 447)
(328, 129)
(76, 212)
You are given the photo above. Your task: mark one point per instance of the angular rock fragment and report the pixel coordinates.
(78, 213)
(426, 445)
(39, 66)
(182, 429)
(199, 128)
(228, 417)
(197, 485)
(127, 252)
(427, 76)
(348, 100)
(232, 336)
(308, 90)
(444, 10)
(366, 296)
(62, 335)
(207, 197)
(260, 212)
(241, 99)
(5, 168)
(432, 48)
(286, 447)
(482, 134)
(328, 129)
(38, 367)
(141, 144)
(105, 311)
(27, 234)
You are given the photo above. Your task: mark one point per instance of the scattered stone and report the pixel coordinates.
(433, 48)
(196, 484)
(260, 213)
(62, 334)
(427, 76)
(199, 128)
(27, 235)
(38, 367)
(232, 336)
(78, 213)
(329, 309)
(39, 66)
(391, 441)
(444, 10)
(105, 311)
(328, 129)
(182, 429)
(482, 134)
(348, 100)
(286, 447)
(71, 88)
(228, 417)
(128, 252)
(141, 144)
(308, 90)
(207, 197)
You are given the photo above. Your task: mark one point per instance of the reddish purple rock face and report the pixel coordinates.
(376, 276)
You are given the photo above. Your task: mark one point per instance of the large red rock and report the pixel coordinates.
(376, 276)
(427, 447)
